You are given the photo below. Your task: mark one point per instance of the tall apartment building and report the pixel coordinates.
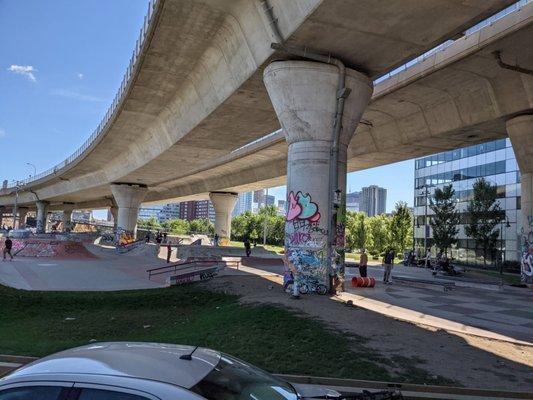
(353, 201)
(244, 203)
(494, 161)
(169, 211)
(270, 200)
(149, 212)
(373, 200)
(196, 209)
(259, 196)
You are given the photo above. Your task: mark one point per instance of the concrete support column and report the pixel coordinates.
(223, 203)
(114, 213)
(128, 199)
(23, 212)
(67, 220)
(520, 131)
(304, 96)
(42, 214)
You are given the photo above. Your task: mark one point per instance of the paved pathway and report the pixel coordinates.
(504, 310)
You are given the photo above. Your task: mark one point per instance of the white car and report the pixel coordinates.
(144, 371)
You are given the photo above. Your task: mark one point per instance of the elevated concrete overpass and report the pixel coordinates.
(195, 95)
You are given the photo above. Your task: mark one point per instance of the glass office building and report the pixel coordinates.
(494, 161)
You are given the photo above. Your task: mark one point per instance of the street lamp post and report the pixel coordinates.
(34, 168)
(265, 221)
(15, 206)
(502, 256)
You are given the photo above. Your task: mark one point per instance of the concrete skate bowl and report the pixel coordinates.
(50, 248)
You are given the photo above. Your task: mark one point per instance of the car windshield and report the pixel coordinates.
(233, 379)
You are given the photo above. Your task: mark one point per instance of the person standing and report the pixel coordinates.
(428, 258)
(8, 245)
(363, 264)
(169, 251)
(388, 260)
(215, 239)
(247, 247)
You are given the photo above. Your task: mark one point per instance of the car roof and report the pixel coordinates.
(152, 361)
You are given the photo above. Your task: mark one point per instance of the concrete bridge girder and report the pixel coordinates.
(200, 72)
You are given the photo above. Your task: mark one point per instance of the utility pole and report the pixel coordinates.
(15, 207)
(265, 221)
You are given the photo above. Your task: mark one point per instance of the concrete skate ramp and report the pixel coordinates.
(49, 248)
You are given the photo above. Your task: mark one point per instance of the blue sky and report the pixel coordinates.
(61, 64)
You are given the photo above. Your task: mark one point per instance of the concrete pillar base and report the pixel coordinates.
(304, 96)
(114, 213)
(42, 215)
(67, 220)
(520, 131)
(223, 203)
(23, 213)
(128, 199)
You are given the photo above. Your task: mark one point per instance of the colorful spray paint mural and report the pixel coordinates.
(527, 251)
(305, 239)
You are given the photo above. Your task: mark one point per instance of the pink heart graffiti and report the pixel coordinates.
(294, 208)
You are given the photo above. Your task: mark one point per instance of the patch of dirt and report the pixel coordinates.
(468, 360)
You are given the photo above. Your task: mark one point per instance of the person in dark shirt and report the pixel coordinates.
(8, 245)
(388, 261)
(247, 247)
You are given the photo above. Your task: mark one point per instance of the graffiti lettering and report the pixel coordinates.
(298, 238)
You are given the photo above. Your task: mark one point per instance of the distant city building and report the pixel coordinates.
(169, 211)
(282, 207)
(149, 212)
(259, 196)
(270, 200)
(196, 209)
(495, 161)
(373, 200)
(244, 203)
(353, 201)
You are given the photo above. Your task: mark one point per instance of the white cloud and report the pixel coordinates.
(26, 70)
(80, 76)
(75, 95)
(2, 133)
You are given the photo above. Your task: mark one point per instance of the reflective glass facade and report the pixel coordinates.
(495, 161)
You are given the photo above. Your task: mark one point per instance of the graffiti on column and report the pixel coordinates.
(305, 240)
(527, 251)
(40, 226)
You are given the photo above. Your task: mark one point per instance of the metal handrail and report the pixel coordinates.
(148, 19)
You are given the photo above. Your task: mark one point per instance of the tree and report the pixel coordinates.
(444, 222)
(178, 226)
(485, 214)
(150, 223)
(379, 230)
(357, 231)
(401, 228)
(204, 226)
(251, 226)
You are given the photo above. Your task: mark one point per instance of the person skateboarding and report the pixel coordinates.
(8, 245)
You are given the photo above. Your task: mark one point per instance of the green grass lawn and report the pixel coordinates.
(35, 323)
